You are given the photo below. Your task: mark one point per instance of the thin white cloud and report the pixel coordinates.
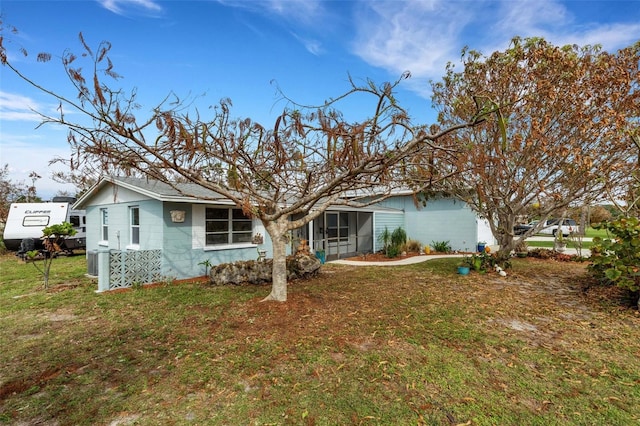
(313, 46)
(553, 21)
(526, 18)
(306, 10)
(611, 37)
(422, 36)
(300, 11)
(14, 107)
(419, 36)
(415, 36)
(120, 7)
(29, 152)
(303, 15)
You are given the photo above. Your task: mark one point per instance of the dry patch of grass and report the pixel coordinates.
(356, 345)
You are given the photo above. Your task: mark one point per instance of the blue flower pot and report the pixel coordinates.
(481, 247)
(463, 270)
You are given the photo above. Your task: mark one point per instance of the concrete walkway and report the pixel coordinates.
(406, 261)
(571, 251)
(424, 258)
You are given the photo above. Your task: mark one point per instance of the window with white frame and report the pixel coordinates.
(226, 225)
(134, 222)
(104, 224)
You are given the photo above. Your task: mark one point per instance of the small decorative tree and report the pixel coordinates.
(53, 241)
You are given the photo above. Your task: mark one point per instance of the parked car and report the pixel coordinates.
(522, 228)
(551, 227)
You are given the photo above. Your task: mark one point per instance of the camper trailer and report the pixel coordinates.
(26, 221)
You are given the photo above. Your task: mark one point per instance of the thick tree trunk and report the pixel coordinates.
(584, 214)
(504, 252)
(506, 238)
(278, 233)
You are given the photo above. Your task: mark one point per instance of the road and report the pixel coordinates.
(551, 238)
(569, 250)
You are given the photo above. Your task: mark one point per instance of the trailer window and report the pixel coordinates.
(74, 221)
(35, 221)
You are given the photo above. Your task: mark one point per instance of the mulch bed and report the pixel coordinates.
(380, 257)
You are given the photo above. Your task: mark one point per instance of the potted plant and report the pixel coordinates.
(463, 270)
(559, 245)
(464, 267)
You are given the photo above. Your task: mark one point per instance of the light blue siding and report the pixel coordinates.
(120, 225)
(442, 219)
(157, 231)
(183, 243)
(446, 219)
(151, 233)
(93, 227)
(383, 220)
(181, 259)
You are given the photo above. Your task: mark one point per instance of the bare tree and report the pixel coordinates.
(10, 192)
(298, 168)
(82, 179)
(560, 134)
(31, 190)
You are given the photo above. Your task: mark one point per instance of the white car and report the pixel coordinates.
(551, 227)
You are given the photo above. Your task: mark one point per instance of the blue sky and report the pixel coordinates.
(239, 48)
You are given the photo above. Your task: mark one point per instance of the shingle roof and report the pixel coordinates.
(164, 190)
(183, 192)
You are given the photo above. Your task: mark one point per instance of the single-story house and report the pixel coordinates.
(167, 235)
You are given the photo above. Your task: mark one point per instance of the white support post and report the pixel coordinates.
(103, 270)
(310, 234)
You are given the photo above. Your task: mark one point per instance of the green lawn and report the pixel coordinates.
(414, 345)
(589, 233)
(549, 244)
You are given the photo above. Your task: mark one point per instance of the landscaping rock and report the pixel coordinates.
(301, 265)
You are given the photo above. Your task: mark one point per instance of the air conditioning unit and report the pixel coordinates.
(92, 263)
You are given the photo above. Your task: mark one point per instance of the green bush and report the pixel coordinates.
(441, 246)
(393, 251)
(392, 242)
(483, 262)
(398, 237)
(617, 260)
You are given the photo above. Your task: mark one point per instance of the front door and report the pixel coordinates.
(343, 234)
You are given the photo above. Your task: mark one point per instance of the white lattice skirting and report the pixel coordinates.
(127, 268)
